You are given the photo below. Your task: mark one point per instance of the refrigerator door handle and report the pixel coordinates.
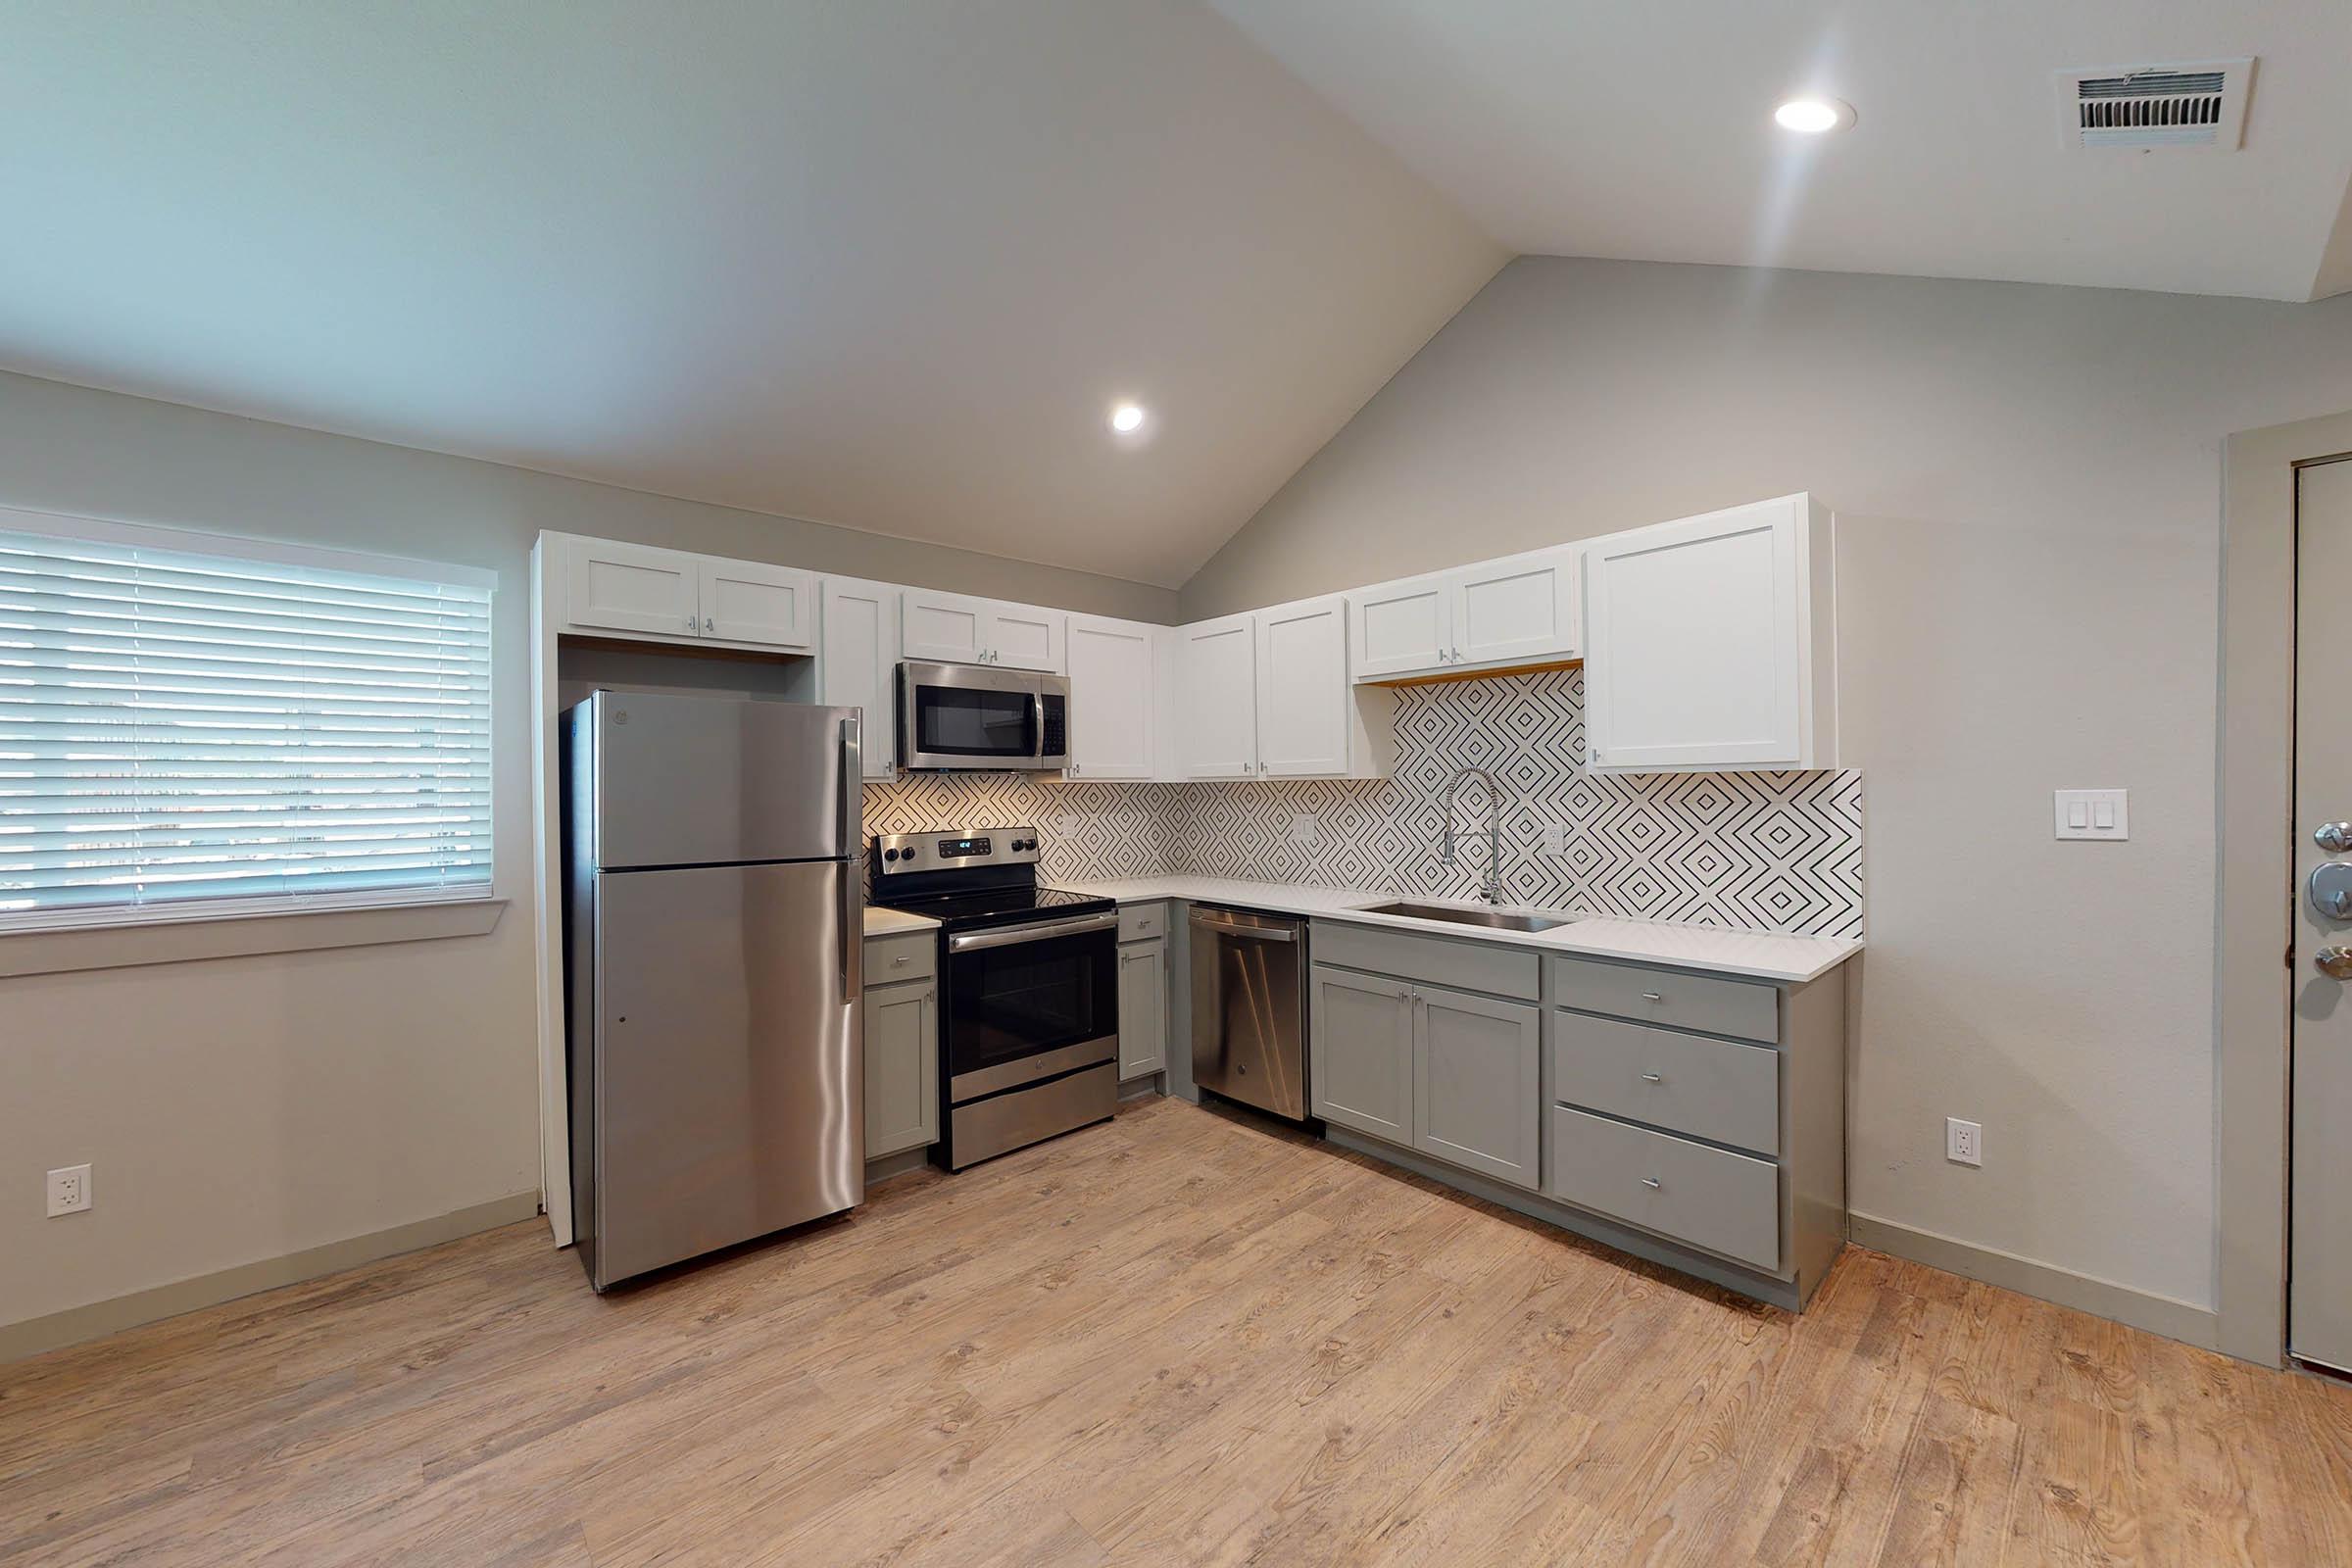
(852, 891)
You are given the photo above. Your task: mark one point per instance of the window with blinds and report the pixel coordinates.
(185, 733)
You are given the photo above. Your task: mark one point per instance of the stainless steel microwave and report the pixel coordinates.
(972, 715)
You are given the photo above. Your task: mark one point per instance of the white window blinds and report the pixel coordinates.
(186, 733)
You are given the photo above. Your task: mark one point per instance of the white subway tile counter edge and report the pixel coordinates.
(1757, 955)
(881, 922)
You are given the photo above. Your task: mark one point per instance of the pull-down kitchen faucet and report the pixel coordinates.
(1491, 888)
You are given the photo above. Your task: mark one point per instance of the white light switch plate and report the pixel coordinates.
(2095, 814)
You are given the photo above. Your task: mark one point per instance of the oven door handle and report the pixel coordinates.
(1010, 936)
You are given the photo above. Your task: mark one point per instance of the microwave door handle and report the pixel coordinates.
(1037, 723)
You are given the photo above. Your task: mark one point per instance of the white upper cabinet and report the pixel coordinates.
(636, 588)
(1712, 644)
(609, 586)
(1111, 678)
(946, 628)
(1216, 681)
(1520, 610)
(1403, 629)
(1304, 708)
(958, 630)
(751, 602)
(857, 657)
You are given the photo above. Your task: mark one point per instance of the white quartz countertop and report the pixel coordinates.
(1756, 955)
(881, 922)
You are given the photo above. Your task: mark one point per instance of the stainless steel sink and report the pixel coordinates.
(1491, 919)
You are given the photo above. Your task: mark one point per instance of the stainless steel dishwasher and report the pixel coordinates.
(1250, 1007)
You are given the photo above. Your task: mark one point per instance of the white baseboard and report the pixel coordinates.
(78, 1323)
(2175, 1319)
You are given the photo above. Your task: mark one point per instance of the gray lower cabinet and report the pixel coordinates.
(1143, 1006)
(902, 1067)
(1360, 1052)
(1478, 1099)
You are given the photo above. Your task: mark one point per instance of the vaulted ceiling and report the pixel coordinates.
(879, 262)
(889, 263)
(1591, 127)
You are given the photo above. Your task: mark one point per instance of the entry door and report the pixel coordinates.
(2319, 1246)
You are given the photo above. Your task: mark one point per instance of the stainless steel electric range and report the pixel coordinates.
(1029, 1015)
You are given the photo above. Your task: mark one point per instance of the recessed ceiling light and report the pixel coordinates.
(1127, 417)
(1813, 116)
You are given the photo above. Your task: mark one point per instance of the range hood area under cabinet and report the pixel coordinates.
(1707, 643)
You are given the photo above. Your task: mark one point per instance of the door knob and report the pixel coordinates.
(2335, 961)
(2329, 888)
(2333, 837)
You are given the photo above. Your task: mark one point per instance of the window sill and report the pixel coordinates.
(186, 941)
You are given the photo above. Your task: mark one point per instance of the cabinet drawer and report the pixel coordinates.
(1746, 1009)
(1140, 921)
(1709, 1197)
(1713, 1089)
(905, 956)
(1504, 971)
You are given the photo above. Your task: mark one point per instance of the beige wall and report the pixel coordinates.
(247, 1109)
(2028, 483)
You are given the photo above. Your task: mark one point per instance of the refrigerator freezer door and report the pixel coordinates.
(730, 1091)
(705, 780)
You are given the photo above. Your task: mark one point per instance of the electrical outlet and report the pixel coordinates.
(1963, 1142)
(69, 1190)
(1306, 829)
(1555, 838)
(1068, 825)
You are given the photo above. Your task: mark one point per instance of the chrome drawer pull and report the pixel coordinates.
(1651, 996)
(1652, 1181)
(1647, 1077)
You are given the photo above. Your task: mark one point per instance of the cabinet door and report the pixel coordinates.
(1216, 678)
(1024, 637)
(1693, 656)
(751, 602)
(1361, 1036)
(1477, 1098)
(855, 660)
(902, 1068)
(1143, 1006)
(621, 587)
(1304, 695)
(1519, 609)
(1402, 628)
(1110, 698)
(951, 629)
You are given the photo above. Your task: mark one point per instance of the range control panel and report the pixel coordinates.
(953, 849)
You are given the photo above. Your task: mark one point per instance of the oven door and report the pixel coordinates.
(966, 715)
(1028, 1001)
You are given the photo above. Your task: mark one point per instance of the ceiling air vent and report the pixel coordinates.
(2202, 104)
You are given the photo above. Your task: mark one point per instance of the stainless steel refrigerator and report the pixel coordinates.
(712, 913)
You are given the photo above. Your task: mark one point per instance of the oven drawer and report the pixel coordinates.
(905, 955)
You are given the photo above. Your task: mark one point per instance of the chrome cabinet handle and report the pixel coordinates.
(690, 623)
(1647, 1077)
(2335, 961)
(1653, 996)
(709, 623)
(1653, 1182)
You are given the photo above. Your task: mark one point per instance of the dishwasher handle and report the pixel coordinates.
(1250, 932)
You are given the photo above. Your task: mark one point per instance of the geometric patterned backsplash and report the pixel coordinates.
(1770, 851)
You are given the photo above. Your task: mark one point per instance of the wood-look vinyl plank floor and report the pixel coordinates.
(1178, 1338)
